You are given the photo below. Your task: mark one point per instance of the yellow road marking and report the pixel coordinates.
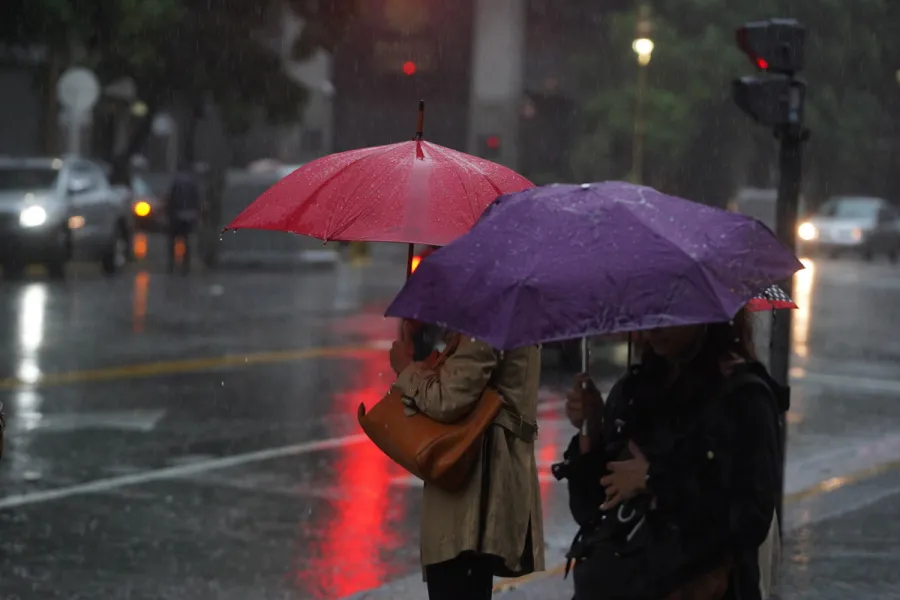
(823, 487)
(168, 367)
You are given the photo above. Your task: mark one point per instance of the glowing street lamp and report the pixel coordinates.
(643, 47)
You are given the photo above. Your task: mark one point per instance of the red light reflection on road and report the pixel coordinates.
(547, 454)
(139, 301)
(347, 557)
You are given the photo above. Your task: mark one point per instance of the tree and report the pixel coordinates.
(183, 52)
(697, 143)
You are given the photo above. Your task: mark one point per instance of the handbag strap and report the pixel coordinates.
(506, 418)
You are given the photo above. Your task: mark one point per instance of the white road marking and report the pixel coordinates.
(125, 420)
(862, 383)
(185, 470)
(112, 483)
(413, 481)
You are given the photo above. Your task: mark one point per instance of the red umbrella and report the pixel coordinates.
(412, 192)
(771, 299)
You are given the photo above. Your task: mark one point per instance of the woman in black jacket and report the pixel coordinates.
(675, 480)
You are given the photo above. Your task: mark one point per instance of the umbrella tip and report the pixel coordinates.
(420, 124)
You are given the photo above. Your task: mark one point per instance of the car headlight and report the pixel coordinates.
(32, 216)
(807, 232)
(142, 208)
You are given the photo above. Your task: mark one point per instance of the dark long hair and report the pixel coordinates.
(722, 342)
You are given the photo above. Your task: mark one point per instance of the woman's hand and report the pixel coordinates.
(627, 478)
(582, 400)
(402, 349)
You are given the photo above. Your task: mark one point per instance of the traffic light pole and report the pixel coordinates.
(787, 209)
(791, 137)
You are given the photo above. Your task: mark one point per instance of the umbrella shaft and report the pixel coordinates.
(585, 355)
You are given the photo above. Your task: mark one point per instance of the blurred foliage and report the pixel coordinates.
(697, 142)
(185, 52)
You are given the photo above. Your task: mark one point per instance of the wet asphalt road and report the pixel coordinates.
(195, 437)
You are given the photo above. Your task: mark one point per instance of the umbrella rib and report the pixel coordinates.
(460, 160)
(295, 214)
(367, 207)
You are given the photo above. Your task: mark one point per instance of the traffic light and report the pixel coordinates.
(775, 97)
(775, 46)
(489, 146)
(771, 100)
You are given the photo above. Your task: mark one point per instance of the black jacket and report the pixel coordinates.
(715, 468)
(183, 203)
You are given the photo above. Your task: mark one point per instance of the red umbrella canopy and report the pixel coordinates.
(412, 192)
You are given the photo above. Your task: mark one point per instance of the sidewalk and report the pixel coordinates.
(831, 536)
(839, 544)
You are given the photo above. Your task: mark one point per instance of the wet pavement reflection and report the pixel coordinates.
(196, 437)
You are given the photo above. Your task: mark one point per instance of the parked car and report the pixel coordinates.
(859, 225)
(53, 210)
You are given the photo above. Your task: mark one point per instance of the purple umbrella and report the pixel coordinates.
(564, 261)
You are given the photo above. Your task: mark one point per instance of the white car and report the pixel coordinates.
(56, 209)
(859, 225)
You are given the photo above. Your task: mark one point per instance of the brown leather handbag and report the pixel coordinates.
(442, 454)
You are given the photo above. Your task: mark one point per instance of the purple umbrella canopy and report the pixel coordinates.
(564, 261)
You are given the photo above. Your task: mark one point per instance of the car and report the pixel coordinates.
(53, 210)
(149, 210)
(861, 225)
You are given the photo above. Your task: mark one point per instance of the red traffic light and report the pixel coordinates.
(776, 45)
(492, 142)
(409, 68)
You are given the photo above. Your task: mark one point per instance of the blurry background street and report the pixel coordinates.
(197, 437)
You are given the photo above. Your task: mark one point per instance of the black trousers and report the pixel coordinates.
(467, 577)
(180, 230)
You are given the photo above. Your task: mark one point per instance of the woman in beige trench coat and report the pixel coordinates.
(493, 527)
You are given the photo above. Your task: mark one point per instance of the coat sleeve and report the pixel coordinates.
(448, 393)
(583, 471)
(583, 476)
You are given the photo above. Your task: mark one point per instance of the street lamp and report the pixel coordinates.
(643, 48)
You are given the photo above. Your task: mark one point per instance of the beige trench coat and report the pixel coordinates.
(450, 522)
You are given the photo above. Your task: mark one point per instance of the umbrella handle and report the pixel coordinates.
(585, 367)
(420, 123)
(585, 355)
